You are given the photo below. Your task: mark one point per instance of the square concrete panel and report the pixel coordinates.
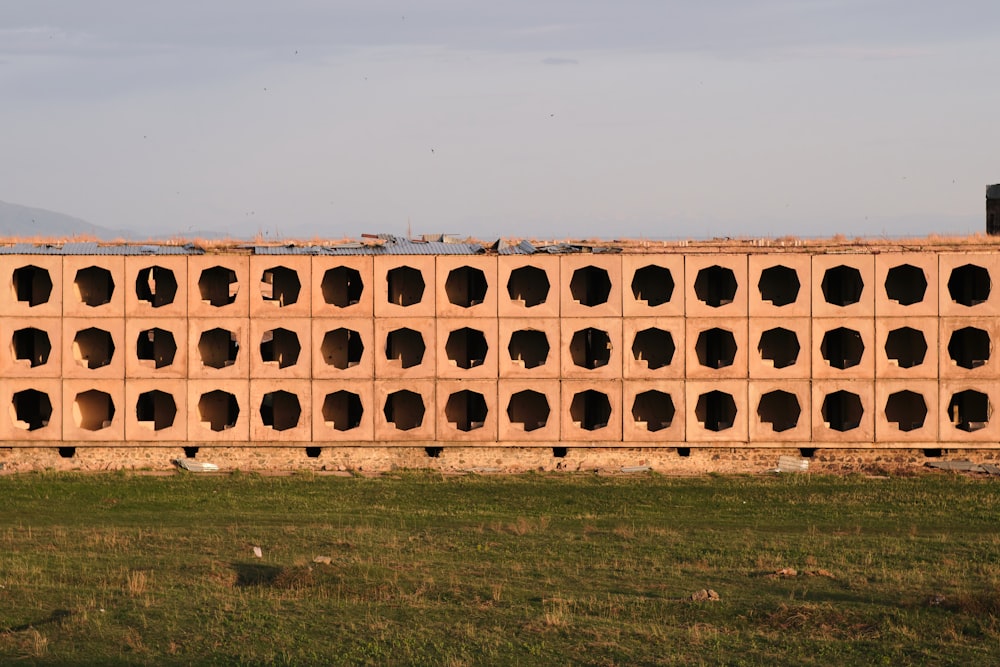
(780, 347)
(716, 411)
(220, 348)
(779, 411)
(843, 285)
(967, 412)
(591, 348)
(405, 411)
(528, 410)
(591, 411)
(907, 411)
(843, 411)
(219, 411)
(219, 285)
(715, 285)
(94, 347)
(344, 348)
(843, 348)
(280, 285)
(94, 410)
(653, 411)
(968, 284)
(94, 286)
(653, 347)
(343, 286)
(404, 286)
(32, 286)
(906, 347)
(716, 347)
(156, 286)
(281, 410)
(780, 284)
(529, 347)
(968, 348)
(31, 347)
(467, 348)
(906, 284)
(467, 286)
(32, 411)
(591, 285)
(281, 347)
(156, 410)
(405, 348)
(156, 347)
(343, 411)
(528, 285)
(467, 411)
(653, 285)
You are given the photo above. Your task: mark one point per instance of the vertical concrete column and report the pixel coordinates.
(906, 284)
(780, 285)
(716, 411)
(94, 348)
(968, 284)
(156, 347)
(32, 411)
(906, 347)
(156, 286)
(591, 348)
(94, 410)
(31, 347)
(32, 286)
(94, 286)
(907, 411)
(343, 411)
(843, 285)
(343, 286)
(843, 347)
(467, 348)
(405, 411)
(653, 285)
(281, 410)
(280, 348)
(156, 410)
(466, 286)
(467, 411)
(529, 347)
(591, 411)
(219, 411)
(404, 286)
(654, 347)
(780, 347)
(966, 412)
(653, 412)
(344, 348)
(780, 411)
(843, 411)
(591, 285)
(280, 286)
(528, 410)
(528, 286)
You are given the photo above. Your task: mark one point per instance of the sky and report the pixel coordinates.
(656, 119)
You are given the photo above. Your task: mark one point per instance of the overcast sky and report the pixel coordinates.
(563, 118)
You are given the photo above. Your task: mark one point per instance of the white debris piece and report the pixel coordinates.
(257, 552)
(792, 464)
(195, 466)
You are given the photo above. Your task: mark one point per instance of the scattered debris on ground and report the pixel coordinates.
(705, 595)
(323, 560)
(791, 464)
(257, 552)
(195, 466)
(631, 469)
(964, 466)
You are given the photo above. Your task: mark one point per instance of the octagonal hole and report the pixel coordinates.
(218, 348)
(94, 286)
(653, 284)
(528, 285)
(905, 284)
(31, 409)
(405, 347)
(280, 410)
(342, 286)
(466, 286)
(528, 348)
(280, 285)
(590, 286)
(156, 348)
(842, 410)
(653, 410)
(970, 347)
(715, 286)
(780, 409)
(155, 410)
(280, 347)
(93, 410)
(404, 409)
(842, 285)
(93, 348)
(906, 347)
(590, 410)
(218, 286)
(842, 348)
(653, 346)
(342, 348)
(906, 409)
(466, 410)
(528, 409)
(32, 285)
(405, 286)
(779, 285)
(970, 410)
(780, 346)
(590, 348)
(716, 348)
(218, 410)
(716, 410)
(466, 348)
(31, 346)
(969, 285)
(343, 410)
(156, 286)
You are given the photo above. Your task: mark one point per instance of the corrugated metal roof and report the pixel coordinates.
(391, 245)
(522, 248)
(94, 248)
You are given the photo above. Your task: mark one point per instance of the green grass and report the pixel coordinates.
(530, 569)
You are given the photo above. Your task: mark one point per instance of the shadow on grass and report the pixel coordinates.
(255, 574)
(55, 617)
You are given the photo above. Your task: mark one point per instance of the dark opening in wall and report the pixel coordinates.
(905, 284)
(156, 348)
(406, 347)
(281, 285)
(590, 410)
(32, 285)
(156, 410)
(466, 410)
(969, 347)
(31, 409)
(528, 409)
(653, 284)
(190, 452)
(683, 452)
(807, 452)
(590, 286)
(343, 410)
(529, 347)
(466, 347)
(313, 452)
(906, 346)
(31, 345)
(654, 346)
(716, 348)
(528, 284)
(280, 410)
(842, 348)
(93, 410)
(406, 286)
(779, 285)
(218, 410)
(281, 347)
(590, 348)
(653, 409)
(970, 410)
(466, 286)
(95, 286)
(779, 346)
(433, 452)
(715, 286)
(906, 409)
(156, 286)
(716, 410)
(842, 285)
(558, 452)
(842, 410)
(404, 409)
(932, 453)
(342, 286)
(969, 285)
(66, 452)
(218, 348)
(342, 348)
(93, 348)
(780, 409)
(218, 286)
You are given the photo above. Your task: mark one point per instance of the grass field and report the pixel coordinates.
(529, 569)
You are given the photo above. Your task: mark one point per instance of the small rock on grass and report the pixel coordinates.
(325, 560)
(705, 595)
